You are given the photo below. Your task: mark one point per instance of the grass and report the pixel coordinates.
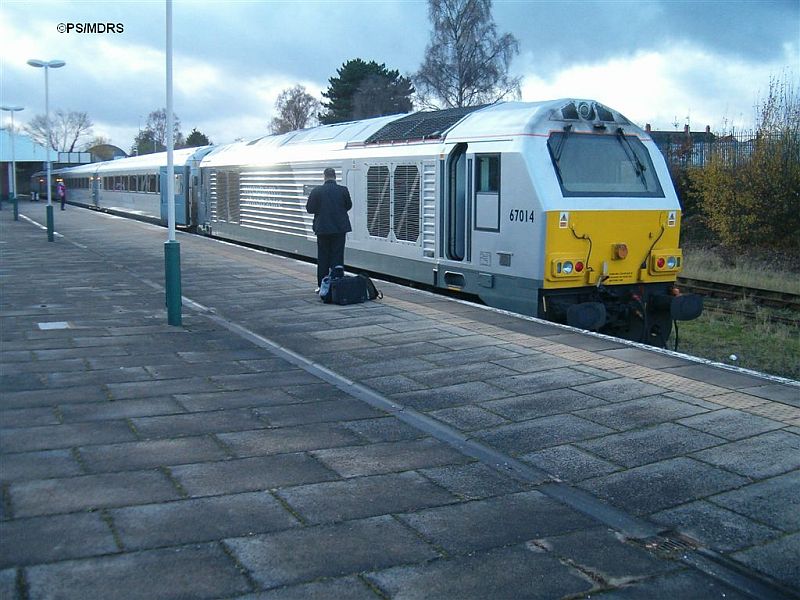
(769, 273)
(756, 343)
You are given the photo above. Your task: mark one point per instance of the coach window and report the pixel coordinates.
(487, 192)
(178, 184)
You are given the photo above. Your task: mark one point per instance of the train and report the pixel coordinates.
(561, 209)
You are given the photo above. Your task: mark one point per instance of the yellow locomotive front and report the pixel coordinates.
(611, 253)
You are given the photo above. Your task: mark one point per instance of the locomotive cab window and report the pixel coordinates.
(603, 165)
(487, 192)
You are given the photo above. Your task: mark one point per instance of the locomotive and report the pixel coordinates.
(562, 209)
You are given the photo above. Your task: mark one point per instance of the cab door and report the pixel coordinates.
(457, 193)
(96, 190)
(180, 193)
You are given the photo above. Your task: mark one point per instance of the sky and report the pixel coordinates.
(663, 62)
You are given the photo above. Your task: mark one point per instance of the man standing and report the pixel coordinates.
(329, 204)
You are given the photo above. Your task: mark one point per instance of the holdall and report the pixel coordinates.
(373, 293)
(348, 290)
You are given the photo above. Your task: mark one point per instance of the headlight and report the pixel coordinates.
(672, 262)
(566, 268)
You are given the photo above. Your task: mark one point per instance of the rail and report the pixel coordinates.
(725, 291)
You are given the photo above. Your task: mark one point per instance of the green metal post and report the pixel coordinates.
(172, 268)
(49, 222)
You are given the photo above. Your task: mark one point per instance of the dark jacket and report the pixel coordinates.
(329, 204)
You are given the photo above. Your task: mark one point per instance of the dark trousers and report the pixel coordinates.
(63, 201)
(330, 253)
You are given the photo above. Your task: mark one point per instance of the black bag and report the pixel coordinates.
(348, 290)
(373, 293)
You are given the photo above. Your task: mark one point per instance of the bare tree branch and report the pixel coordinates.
(466, 63)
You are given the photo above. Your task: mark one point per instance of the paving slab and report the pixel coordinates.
(202, 571)
(53, 538)
(599, 552)
(759, 456)
(249, 474)
(199, 520)
(90, 492)
(150, 453)
(344, 588)
(632, 414)
(656, 486)
(716, 527)
(46, 464)
(375, 459)
(280, 440)
(494, 522)
(308, 554)
(731, 424)
(521, 438)
(641, 446)
(362, 497)
(777, 558)
(515, 572)
(685, 584)
(774, 501)
(570, 463)
(542, 404)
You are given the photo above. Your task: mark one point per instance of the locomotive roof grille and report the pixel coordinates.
(589, 111)
(420, 126)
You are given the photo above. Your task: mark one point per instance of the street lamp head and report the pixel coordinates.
(53, 64)
(12, 108)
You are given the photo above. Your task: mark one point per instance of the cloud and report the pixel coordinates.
(676, 83)
(654, 60)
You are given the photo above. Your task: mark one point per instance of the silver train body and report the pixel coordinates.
(561, 209)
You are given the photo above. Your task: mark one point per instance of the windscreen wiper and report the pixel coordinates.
(560, 148)
(631, 154)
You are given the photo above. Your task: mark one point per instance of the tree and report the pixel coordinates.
(66, 129)
(153, 138)
(296, 108)
(365, 89)
(466, 63)
(756, 203)
(146, 143)
(195, 139)
(98, 140)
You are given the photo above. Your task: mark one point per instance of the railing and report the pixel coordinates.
(696, 150)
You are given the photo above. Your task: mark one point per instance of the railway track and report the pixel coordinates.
(719, 292)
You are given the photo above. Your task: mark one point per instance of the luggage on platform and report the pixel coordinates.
(338, 288)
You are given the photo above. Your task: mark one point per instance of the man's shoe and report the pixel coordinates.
(316, 291)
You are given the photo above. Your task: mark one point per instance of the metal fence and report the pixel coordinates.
(695, 150)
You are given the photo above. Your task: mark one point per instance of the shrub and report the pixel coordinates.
(756, 203)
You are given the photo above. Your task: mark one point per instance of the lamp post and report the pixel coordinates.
(13, 178)
(47, 65)
(172, 248)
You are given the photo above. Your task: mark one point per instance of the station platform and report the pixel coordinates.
(275, 447)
